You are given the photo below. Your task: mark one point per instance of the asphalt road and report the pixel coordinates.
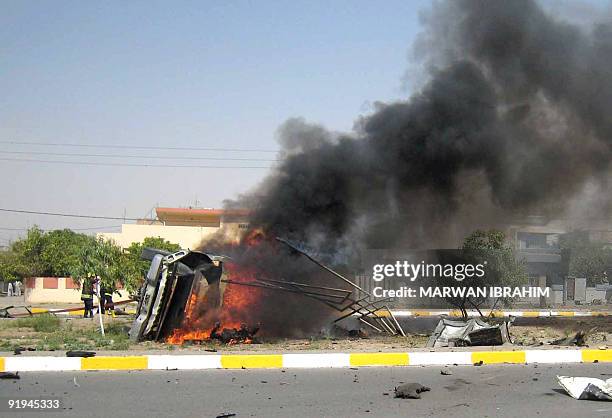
(486, 391)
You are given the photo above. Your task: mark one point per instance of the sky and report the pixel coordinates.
(183, 74)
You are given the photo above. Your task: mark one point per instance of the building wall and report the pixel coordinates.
(57, 290)
(188, 237)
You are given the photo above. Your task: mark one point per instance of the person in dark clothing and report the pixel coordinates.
(87, 298)
(106, 300)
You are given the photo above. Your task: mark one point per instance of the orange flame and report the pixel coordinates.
(239, 302)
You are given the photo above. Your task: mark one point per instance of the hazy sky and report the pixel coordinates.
(221, 74)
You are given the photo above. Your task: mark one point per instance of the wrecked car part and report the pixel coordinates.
(587, 388)
(454, 333)
(171, 281)
(410, 391)
(486, 336)
(9, 375)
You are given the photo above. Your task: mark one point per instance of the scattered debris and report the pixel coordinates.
(234, 336)
(357, 333)
(587, 388)
(480, 363)
(410, 391)
(227, 415)
(79, 353)
(120, 312)
(9, 375)
(446, 372)
(4, 313)
(18, 350)
(577, 339)
(75, 382)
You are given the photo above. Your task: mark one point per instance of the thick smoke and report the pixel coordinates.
(513, 121)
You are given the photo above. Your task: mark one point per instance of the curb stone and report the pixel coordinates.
(301, 360)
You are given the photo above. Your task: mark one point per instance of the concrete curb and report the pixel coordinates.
(496, 314)
(301, 360)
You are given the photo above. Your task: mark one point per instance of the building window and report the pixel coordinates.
(528, 240)
(243, 226)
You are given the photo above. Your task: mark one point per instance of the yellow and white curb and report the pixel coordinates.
(401, 313)
(298, 360)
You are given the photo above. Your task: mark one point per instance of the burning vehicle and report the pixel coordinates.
(171, 286)
(192, 296)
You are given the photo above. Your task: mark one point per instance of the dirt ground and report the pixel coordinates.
(542, 331)
(78, 333)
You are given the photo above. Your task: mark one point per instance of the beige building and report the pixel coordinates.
(187, 227)
(58, 290)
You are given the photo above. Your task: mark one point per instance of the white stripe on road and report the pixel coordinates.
(316, 360)
(184, 362)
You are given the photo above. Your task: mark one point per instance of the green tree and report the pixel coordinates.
(133, 252)
(60, 252)
(591, 260)
(9, 266)
(67, 253)
(27, 253)
(502, 267)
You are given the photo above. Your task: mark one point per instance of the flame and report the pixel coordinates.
(239, 302)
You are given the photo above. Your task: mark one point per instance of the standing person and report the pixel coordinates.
(17, 288)
(9, 290)
(87, 297)
(107, 297)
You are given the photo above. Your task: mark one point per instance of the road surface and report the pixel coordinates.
(486, 391)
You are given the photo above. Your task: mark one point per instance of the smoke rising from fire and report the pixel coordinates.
(513, 121)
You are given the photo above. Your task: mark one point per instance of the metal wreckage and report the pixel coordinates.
(175, 281)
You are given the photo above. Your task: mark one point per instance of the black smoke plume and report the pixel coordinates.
(514, 121)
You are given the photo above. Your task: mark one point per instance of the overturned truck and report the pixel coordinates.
(171, 281)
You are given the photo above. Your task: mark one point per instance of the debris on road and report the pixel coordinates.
(79, 353)
(473, 332)
(587, 388)
(9, 375)
(76, 385)
(230, 414)
(410, 391)
(446, 372)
